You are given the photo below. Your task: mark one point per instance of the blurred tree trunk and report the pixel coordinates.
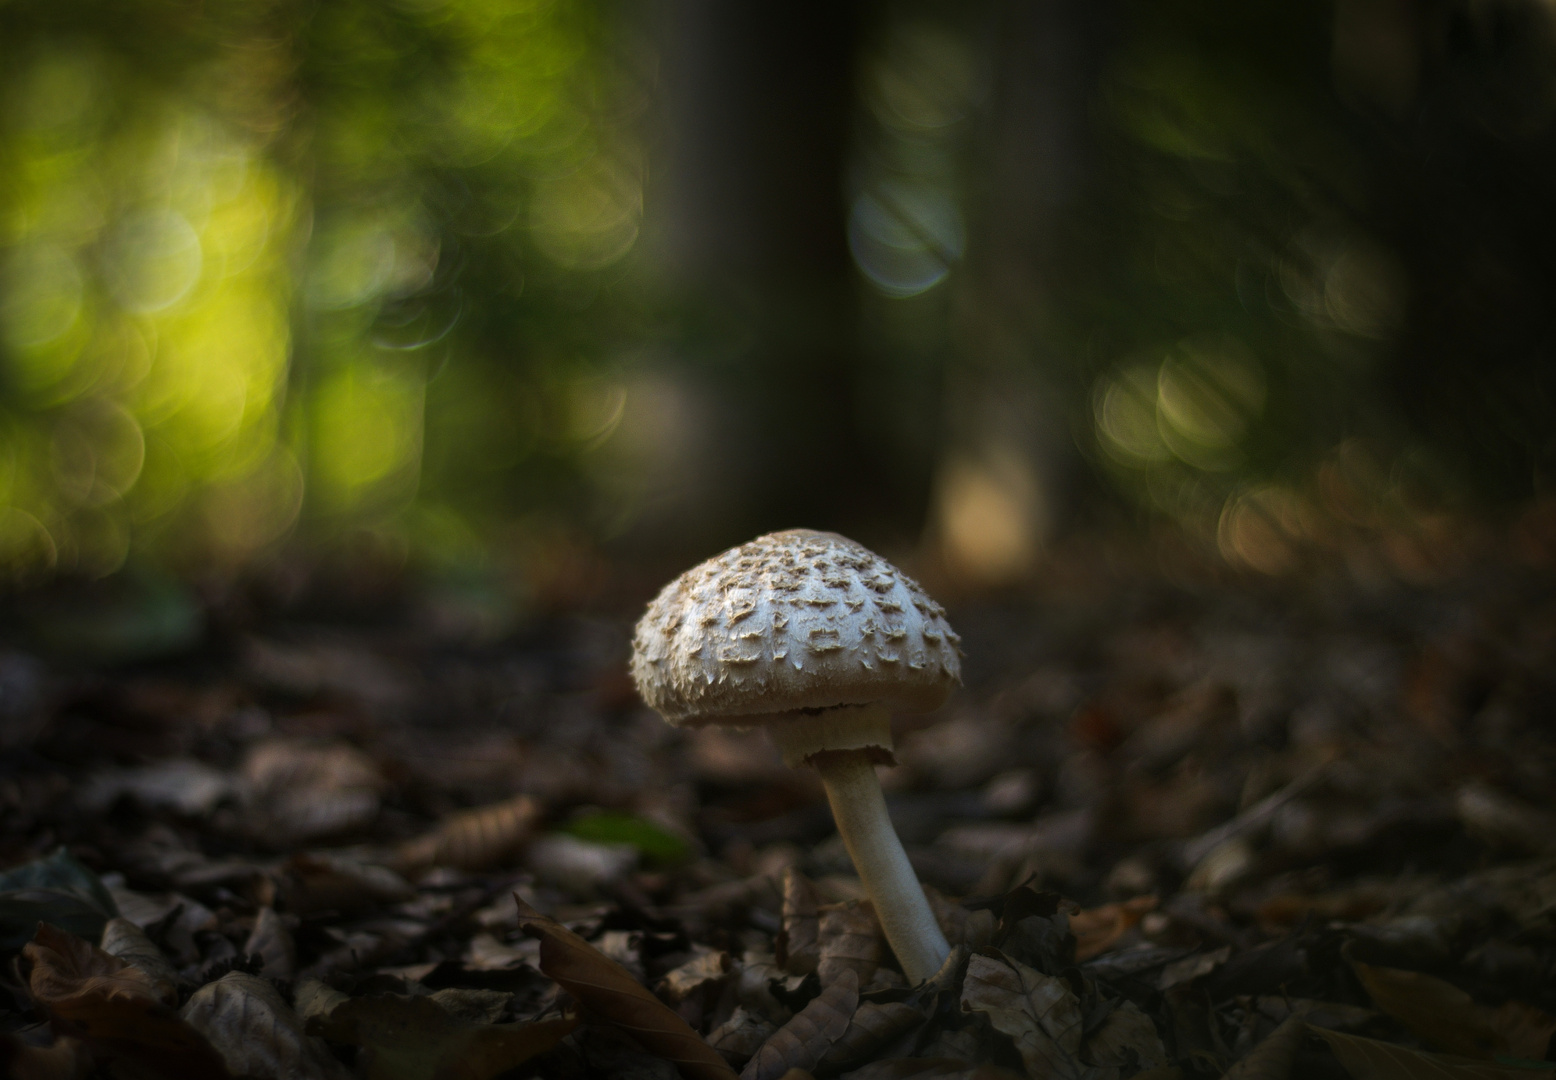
(760, 116)
(1010, 462)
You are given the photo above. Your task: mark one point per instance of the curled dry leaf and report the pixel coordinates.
(272, 942)
(741, 1036)
(682, 982)
(128, 942)
(113, 1008)
(1272, 1058)
(1127, 1039)
(931, 1068)
(1098, 929)
(477, 1006)
(1192, 967)
(313, 883)
(806, 1038)
(873, 1025)
(799, 951)
(67, 1059)
(476, 839)
(313, 998)
(604, 987)
(849, 939)
(1370, 1059)
(256, 1032)
(67, 972)
(415, 1038)
(1448, 1019)
(301, 790)
(1039, 1012)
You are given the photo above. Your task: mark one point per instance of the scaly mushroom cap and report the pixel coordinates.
(792, 621)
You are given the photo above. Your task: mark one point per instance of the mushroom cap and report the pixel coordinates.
(792, 621)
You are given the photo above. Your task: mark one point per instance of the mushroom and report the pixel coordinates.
(816, 639)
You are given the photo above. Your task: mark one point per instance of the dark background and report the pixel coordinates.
(488, 291)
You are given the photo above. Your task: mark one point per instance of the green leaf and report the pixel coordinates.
(653, 842)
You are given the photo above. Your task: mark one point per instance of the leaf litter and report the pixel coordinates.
(1173, 829)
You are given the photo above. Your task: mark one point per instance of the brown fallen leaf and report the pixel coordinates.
(741, 1036)
(272, 942)
(67, 970)
(929, 1069)
(604, 987)
(415, 1038)
(1370, 1059)
(67, 1059)
(476, 839)
(1522, 1031)
(873, 1025)
(302, 790)
(798, 951)
(1039, 1012)
(312, 883)
(849, 939)
(1272, 1058)
(806, 1038)
(1448, 1019)
(128, 942)
(113, 1008)
(256, 1032)
(696, 974)
(1127, 1039)
(1098, 929)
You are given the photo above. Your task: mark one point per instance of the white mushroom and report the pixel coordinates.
(817, 639)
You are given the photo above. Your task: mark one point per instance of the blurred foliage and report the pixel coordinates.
(285, 271)
(273, 268)
(1307, 286)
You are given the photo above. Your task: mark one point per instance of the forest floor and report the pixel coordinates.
(1177, 824)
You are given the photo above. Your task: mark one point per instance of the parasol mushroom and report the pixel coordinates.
(817, 639)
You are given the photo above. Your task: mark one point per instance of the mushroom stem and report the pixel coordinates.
(859, 809)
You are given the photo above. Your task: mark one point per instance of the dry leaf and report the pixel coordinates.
(67, 970)
(741, 1036)
(410, 1038)
(301, 790)
(1272, 1058)
(128, 942)
(1098, 929)
(799, 951)
(681, 982)
(1039, 1012)
(477, 1006)
(314, 883)
(849, 939)
(873, 1025)
(1192, 967)
(113, 1008)
(1369, 1059)
(603, 986)
(1522, 1031)
(1126, 1039)
(67, 1059)
(806, 1038)
(476, 839)
(936, 1068)
(314, 998)
(256, 1032)
(1435, 1011)
(272, 942)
